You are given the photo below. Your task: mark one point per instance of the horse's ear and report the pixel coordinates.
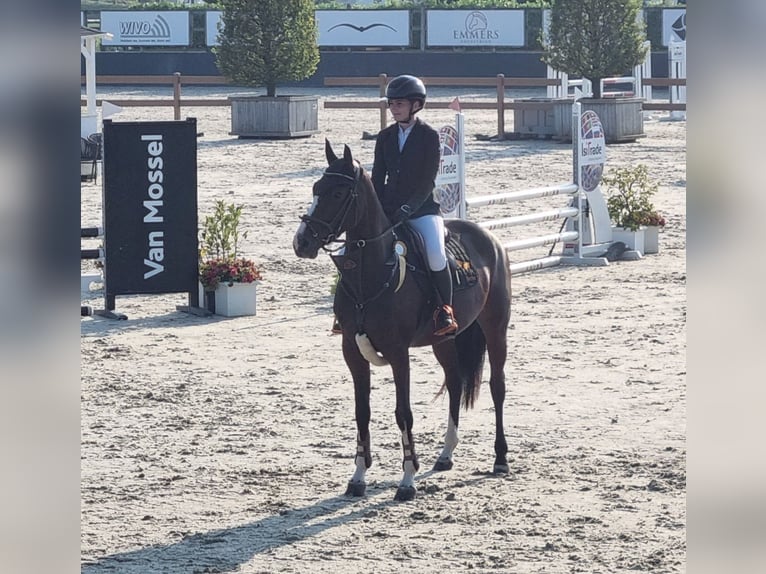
(331, 157)
(347, 154)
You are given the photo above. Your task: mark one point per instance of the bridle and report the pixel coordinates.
(334, 227)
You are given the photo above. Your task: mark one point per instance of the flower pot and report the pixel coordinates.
(652, 239)
(235, 300)
(633, 239)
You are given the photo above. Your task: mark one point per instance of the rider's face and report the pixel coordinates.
(400, 109)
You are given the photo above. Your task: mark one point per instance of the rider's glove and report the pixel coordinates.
(402, 214)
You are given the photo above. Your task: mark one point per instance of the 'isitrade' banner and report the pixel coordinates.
(129, 28)
(475, 27)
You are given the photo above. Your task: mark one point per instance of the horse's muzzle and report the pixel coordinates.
(305, 246)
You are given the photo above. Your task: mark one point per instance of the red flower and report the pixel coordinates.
(215, 271)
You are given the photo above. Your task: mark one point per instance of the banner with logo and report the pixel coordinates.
(673, 26)
(129, 28)
(592, 150)
(450, 179)
(475, 28)
(150, 207)
(363, 27)
(212, 18)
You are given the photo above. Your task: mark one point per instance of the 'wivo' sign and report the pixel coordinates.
(150, 209)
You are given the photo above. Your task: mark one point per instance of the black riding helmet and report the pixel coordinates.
(406, 88)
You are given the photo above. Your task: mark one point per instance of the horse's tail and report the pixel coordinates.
(471, 347)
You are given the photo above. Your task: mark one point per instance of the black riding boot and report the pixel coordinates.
(444, 318)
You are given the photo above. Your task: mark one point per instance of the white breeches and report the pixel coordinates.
(431, 227)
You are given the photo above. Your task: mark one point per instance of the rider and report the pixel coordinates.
(404, 173)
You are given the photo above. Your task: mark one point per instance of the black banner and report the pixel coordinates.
(150, 208)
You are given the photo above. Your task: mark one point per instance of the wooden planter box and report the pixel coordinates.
(534, 117)
(277, 117)
(622, 118)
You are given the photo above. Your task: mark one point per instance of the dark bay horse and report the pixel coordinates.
(384, 309)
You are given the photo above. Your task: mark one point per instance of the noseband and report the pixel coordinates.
(333, 228)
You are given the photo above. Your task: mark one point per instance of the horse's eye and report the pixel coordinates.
(338, 193)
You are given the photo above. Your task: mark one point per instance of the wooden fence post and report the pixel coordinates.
(177, 96)
(383, 103)
(500, 106)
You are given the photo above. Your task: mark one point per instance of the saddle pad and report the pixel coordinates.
(464, 275)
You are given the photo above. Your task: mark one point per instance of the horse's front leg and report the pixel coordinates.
(360, 371)
(400, 365)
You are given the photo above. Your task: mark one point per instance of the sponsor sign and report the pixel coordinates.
(673, 26)
(150, 207)
(212, 18)
(475, 28)
(168, 28)
(448, 178)
(363, 27)
(592, 152)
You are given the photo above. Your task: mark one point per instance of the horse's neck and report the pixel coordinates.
(370, 230)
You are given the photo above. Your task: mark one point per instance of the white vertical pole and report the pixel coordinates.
(645, 71)
(677, 69)
(462, 209)
(576, 113)
(90, 76)
(550, 74)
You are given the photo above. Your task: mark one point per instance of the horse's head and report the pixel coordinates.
(334, 207)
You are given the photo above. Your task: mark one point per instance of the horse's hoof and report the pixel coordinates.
(405, 493)
(500, 468)
(443, 464)
(355, 488)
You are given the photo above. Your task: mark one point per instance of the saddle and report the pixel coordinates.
(462, 271)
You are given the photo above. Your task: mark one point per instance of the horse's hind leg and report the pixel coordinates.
(447, 357)
(497, 351)
(495, 327)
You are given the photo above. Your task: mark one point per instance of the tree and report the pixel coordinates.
(595, 39)
(267, 42)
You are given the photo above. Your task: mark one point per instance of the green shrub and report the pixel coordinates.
(267, 42)
(629, 198)
(595, 39)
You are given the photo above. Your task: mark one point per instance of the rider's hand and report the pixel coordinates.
(402, 214)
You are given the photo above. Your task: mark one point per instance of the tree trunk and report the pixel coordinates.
(596, 87)
(271, 90)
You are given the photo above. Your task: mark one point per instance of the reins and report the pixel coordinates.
(355, 293)
(337, 222)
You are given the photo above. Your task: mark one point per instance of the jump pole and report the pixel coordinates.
(586, 237)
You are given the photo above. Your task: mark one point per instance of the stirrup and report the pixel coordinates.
(448, 329)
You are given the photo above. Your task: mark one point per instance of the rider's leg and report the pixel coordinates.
(431, 227)
(444, 318)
